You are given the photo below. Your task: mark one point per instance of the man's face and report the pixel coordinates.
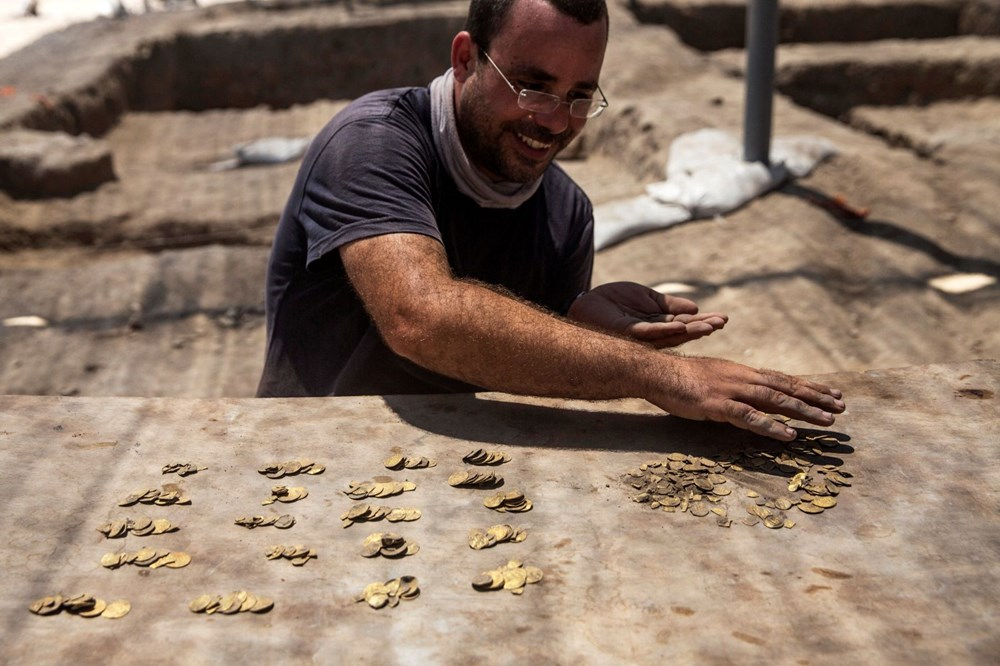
(540, 49)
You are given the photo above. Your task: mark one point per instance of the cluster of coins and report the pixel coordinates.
(380, 486)
(285, 494)
(387, 544)
(467, 479)
(491, 536)
(389, 593)
(362, 513)
(183, 469)
(512, 501)
(117, 529)
(290, 468)
(685, 483)
(298, 555)
(84, 605)
(160, 497)
(398, 461)
(282, 522)
(234, 602)
(147, 557)
(484, 457)
(512, 576)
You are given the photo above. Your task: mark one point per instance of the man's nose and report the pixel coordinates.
(555, 121)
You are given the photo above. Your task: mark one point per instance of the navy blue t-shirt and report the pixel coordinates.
(374, 170)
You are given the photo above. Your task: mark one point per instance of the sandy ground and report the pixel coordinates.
(18, 30)
(152, 285)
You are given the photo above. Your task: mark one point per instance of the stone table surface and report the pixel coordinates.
(905, 569)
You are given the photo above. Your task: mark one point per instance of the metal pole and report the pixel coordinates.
(761, 40)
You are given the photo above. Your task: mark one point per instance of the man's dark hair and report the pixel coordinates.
(486, 17)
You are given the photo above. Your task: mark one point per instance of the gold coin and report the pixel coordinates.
(116, 609)
(808, 507)
(95, 609)
(179, 560)
(111, 560)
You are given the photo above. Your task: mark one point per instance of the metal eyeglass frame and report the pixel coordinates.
(542, 102)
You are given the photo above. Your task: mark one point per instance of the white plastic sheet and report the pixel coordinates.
(706, 176)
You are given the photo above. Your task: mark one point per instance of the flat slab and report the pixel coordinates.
(906, 569)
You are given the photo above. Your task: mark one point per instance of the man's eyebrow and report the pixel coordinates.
(541, 76)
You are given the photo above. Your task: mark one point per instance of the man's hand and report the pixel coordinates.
(717, 390)
(645, 314)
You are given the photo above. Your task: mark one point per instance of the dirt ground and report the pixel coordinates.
(152, 285)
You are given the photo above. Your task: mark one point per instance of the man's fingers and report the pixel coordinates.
(746, 417)
(807, 391)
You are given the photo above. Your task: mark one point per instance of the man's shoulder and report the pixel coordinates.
(561, 187)
(411, 103)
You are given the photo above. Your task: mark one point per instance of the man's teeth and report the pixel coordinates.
(537, 145)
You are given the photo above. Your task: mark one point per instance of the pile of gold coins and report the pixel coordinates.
(512, 501)
(160, 497)
(298, 555)
(182, 469)
(285, 494)
(398, 461)
(282, 522)
(117, 529)
(491, 536)
(84, 605)
(389, 593)
(290, 468)
(513, 576)
(467, 479)
(363, 513)
(484, 457)
(147, 557)
(388, 545)
(380, 486)
(697, 485)
(230, 604)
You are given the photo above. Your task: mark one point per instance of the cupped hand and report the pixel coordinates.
(645, 314)
(718, 390)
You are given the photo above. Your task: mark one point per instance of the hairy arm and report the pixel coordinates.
(474, 333)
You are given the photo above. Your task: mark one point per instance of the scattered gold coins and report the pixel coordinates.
(387, 544)
(230, 604)
(183, 469)
(491, 536)
(697, 485)
(484, 457)
(361, 513)
(389, 593)
(298, 555)
(512, 501)
(117, 529)
(285, 494)
(290, 468)
(468, 479)
(84, 605)
(282, 522)
(399, 461)
(380, 486)
(147, 557)
(513, 576)
(160, 497)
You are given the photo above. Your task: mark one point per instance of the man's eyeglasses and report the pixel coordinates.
(541, 102)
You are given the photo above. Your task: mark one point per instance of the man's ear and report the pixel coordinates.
(463, 56)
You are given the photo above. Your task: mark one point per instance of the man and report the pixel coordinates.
(430, 245)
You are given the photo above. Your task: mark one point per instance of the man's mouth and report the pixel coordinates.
(533, 143)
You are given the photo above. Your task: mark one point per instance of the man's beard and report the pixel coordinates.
(484, 143)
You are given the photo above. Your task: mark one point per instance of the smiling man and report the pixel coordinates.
(431, 244)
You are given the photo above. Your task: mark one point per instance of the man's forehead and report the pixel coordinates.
(539, 41)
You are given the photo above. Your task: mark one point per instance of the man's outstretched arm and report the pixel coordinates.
(471, 332)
